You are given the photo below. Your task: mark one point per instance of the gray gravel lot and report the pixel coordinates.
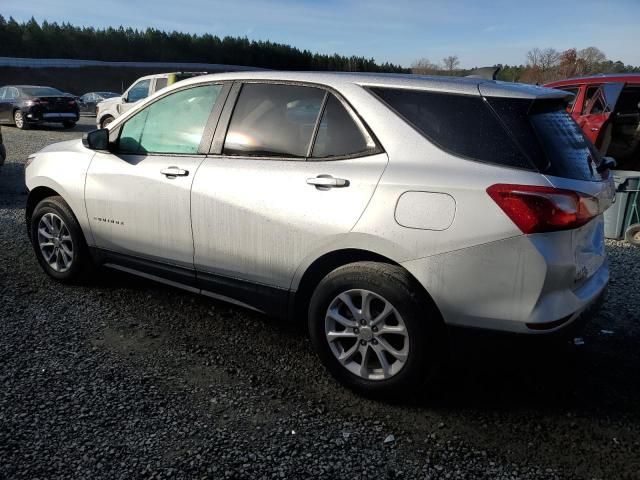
(129, 379)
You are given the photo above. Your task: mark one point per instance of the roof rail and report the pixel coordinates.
(487, 73)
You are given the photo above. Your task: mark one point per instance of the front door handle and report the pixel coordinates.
(172, 172)
(327, 181)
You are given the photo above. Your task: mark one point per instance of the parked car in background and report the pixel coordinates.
(607, 108)
(3, 150)
(379, 209)
(26, 105)
(111, 108)
(89, 101)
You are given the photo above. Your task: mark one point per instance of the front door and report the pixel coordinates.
(138, 196)
(137, 92)
(296, 172)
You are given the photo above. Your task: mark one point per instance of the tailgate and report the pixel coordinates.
(588, 241)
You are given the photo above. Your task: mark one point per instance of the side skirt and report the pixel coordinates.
(266, 299)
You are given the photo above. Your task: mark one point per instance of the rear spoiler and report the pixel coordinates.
(486, 73)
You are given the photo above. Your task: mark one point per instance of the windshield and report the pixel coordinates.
(41, 91)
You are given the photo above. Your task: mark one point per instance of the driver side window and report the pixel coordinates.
(139, 91)
(173, 124)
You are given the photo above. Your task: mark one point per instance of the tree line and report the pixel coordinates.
(53, 40)
(542, 65)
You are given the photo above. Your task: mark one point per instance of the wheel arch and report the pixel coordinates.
(328, 262)
(36, 196)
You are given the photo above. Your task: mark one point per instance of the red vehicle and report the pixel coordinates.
(607, 108)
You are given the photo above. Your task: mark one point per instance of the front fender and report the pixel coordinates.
(64, 171)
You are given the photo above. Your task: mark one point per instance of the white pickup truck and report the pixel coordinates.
(111, 108)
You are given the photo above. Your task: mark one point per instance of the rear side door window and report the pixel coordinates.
(171, 125)
(575, 90)
(273, 120)
(160, 84)
(340, 133)
(593, 102)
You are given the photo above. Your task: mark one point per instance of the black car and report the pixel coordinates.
(26, 105)
(88, 101)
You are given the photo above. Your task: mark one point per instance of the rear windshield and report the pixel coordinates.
(518, 133)
(108, 94)
(40, 91)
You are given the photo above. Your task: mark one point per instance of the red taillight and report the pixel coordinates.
(537, 209)
(72, 102)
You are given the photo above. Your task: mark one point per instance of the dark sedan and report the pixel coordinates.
(26, 105)
(88, 101)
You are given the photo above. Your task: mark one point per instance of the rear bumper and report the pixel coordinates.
(38, 116)
(509, 286)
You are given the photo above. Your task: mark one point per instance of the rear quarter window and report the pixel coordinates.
(551, 138)
(463, 125)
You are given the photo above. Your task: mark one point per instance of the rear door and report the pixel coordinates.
(598, 104)
(292, 169)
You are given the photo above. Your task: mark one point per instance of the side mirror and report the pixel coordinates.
(96, 139)
(607, 163)
(125, 98)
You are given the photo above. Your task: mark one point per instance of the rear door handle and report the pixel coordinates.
(172, 172)
(327, 181)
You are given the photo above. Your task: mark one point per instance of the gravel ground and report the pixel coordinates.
(129, 379)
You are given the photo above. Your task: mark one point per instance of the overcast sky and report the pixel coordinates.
(400, 31)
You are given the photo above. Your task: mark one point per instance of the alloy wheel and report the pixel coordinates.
(18, 119)
(366, 334)
(54, 240)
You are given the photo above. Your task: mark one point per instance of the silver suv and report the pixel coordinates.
(378, 208)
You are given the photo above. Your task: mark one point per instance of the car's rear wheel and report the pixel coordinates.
(68, 125)
(374, 330)
(106, 121)
(58, 241)
(20, 121)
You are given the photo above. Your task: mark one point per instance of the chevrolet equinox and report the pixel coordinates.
(380, 209)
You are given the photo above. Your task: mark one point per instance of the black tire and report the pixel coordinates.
(68, 125)
(426, 332)
(20, 121)
(632, 235)
(81, 264)
(106, 121)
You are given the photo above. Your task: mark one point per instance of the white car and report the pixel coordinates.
(110, 109)
(378, 209)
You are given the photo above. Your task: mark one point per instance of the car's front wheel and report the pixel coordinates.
(58, 241)
(20, 121)
(374, 330)
(106, 121)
